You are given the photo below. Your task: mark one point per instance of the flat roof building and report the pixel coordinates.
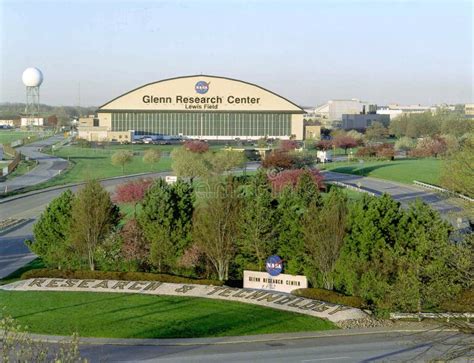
(198, 107)
(361, 122)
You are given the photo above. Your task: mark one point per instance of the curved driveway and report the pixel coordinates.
(404, 193)
(48, 166)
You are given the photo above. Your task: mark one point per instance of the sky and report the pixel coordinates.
(406, 52)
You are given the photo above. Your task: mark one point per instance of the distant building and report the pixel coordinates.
(312, 131)
(10, 122)
(469, 110)
(361, 122)
(396, 110)
(330, 114)
(197, 107)
(31, 121)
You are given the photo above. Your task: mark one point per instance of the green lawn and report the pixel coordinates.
(401, 170)
(7, 136)
(96, 164)
(142, 316)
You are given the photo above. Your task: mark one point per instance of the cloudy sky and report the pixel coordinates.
(384, 52)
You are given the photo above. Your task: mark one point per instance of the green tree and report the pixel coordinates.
(95, 217)
(405, 144)
(165, 217)
(376, 131)
(187, 164)
(216, 227)
(51, 232)
(365, 263)
(453, 123)
(426, 261)
(151, 156)
(400, 259)
(223, 161)
(121, 158)
(458, 169)
(324, 229)
(292, 205)
(258, 229)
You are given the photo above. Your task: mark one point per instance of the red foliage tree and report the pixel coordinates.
(324, 145)
(279, 160)
(196, 146)
(366, 151)
(345, 142)
(288, 145)
(135, 248)
(429, 147)
(291, 177)
(131, 192)
(52, 121)
(386, 153)
(191, 256)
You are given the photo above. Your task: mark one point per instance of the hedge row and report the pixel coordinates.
(108, 275)
(331, 296)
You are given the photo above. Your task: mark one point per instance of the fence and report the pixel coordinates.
(14, 163)
(442, 190)
(421, 316)
(351, 187)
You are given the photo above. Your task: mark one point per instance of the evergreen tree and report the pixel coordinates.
(165, 217)
(258, 224)
(424, 256)
(366, 257)
(51, 232)
(290, 240)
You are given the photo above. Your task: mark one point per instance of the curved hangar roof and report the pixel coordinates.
(201, 93)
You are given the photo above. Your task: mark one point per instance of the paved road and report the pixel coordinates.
(315, 347)
(13, 252)
(48, 165)
(403, 193)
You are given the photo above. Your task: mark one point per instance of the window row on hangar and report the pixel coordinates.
(203, 123)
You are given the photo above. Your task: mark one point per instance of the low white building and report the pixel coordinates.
(396, 110)
(31, 121)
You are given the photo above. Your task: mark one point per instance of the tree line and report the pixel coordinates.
(394, 258)
(63, 114)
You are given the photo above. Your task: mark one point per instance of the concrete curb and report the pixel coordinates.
(14, 226)
(236, 339)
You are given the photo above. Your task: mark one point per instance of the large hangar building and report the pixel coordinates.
(198, 107)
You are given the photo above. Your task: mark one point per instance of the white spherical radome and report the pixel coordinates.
(32, 77)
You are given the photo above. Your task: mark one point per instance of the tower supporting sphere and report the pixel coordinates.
(32, 79)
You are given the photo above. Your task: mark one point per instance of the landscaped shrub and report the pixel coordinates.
(196, 146)
(106, 275)
(291, 178)
(331, 296)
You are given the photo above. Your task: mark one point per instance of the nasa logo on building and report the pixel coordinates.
(274, 265)
(202, 87)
